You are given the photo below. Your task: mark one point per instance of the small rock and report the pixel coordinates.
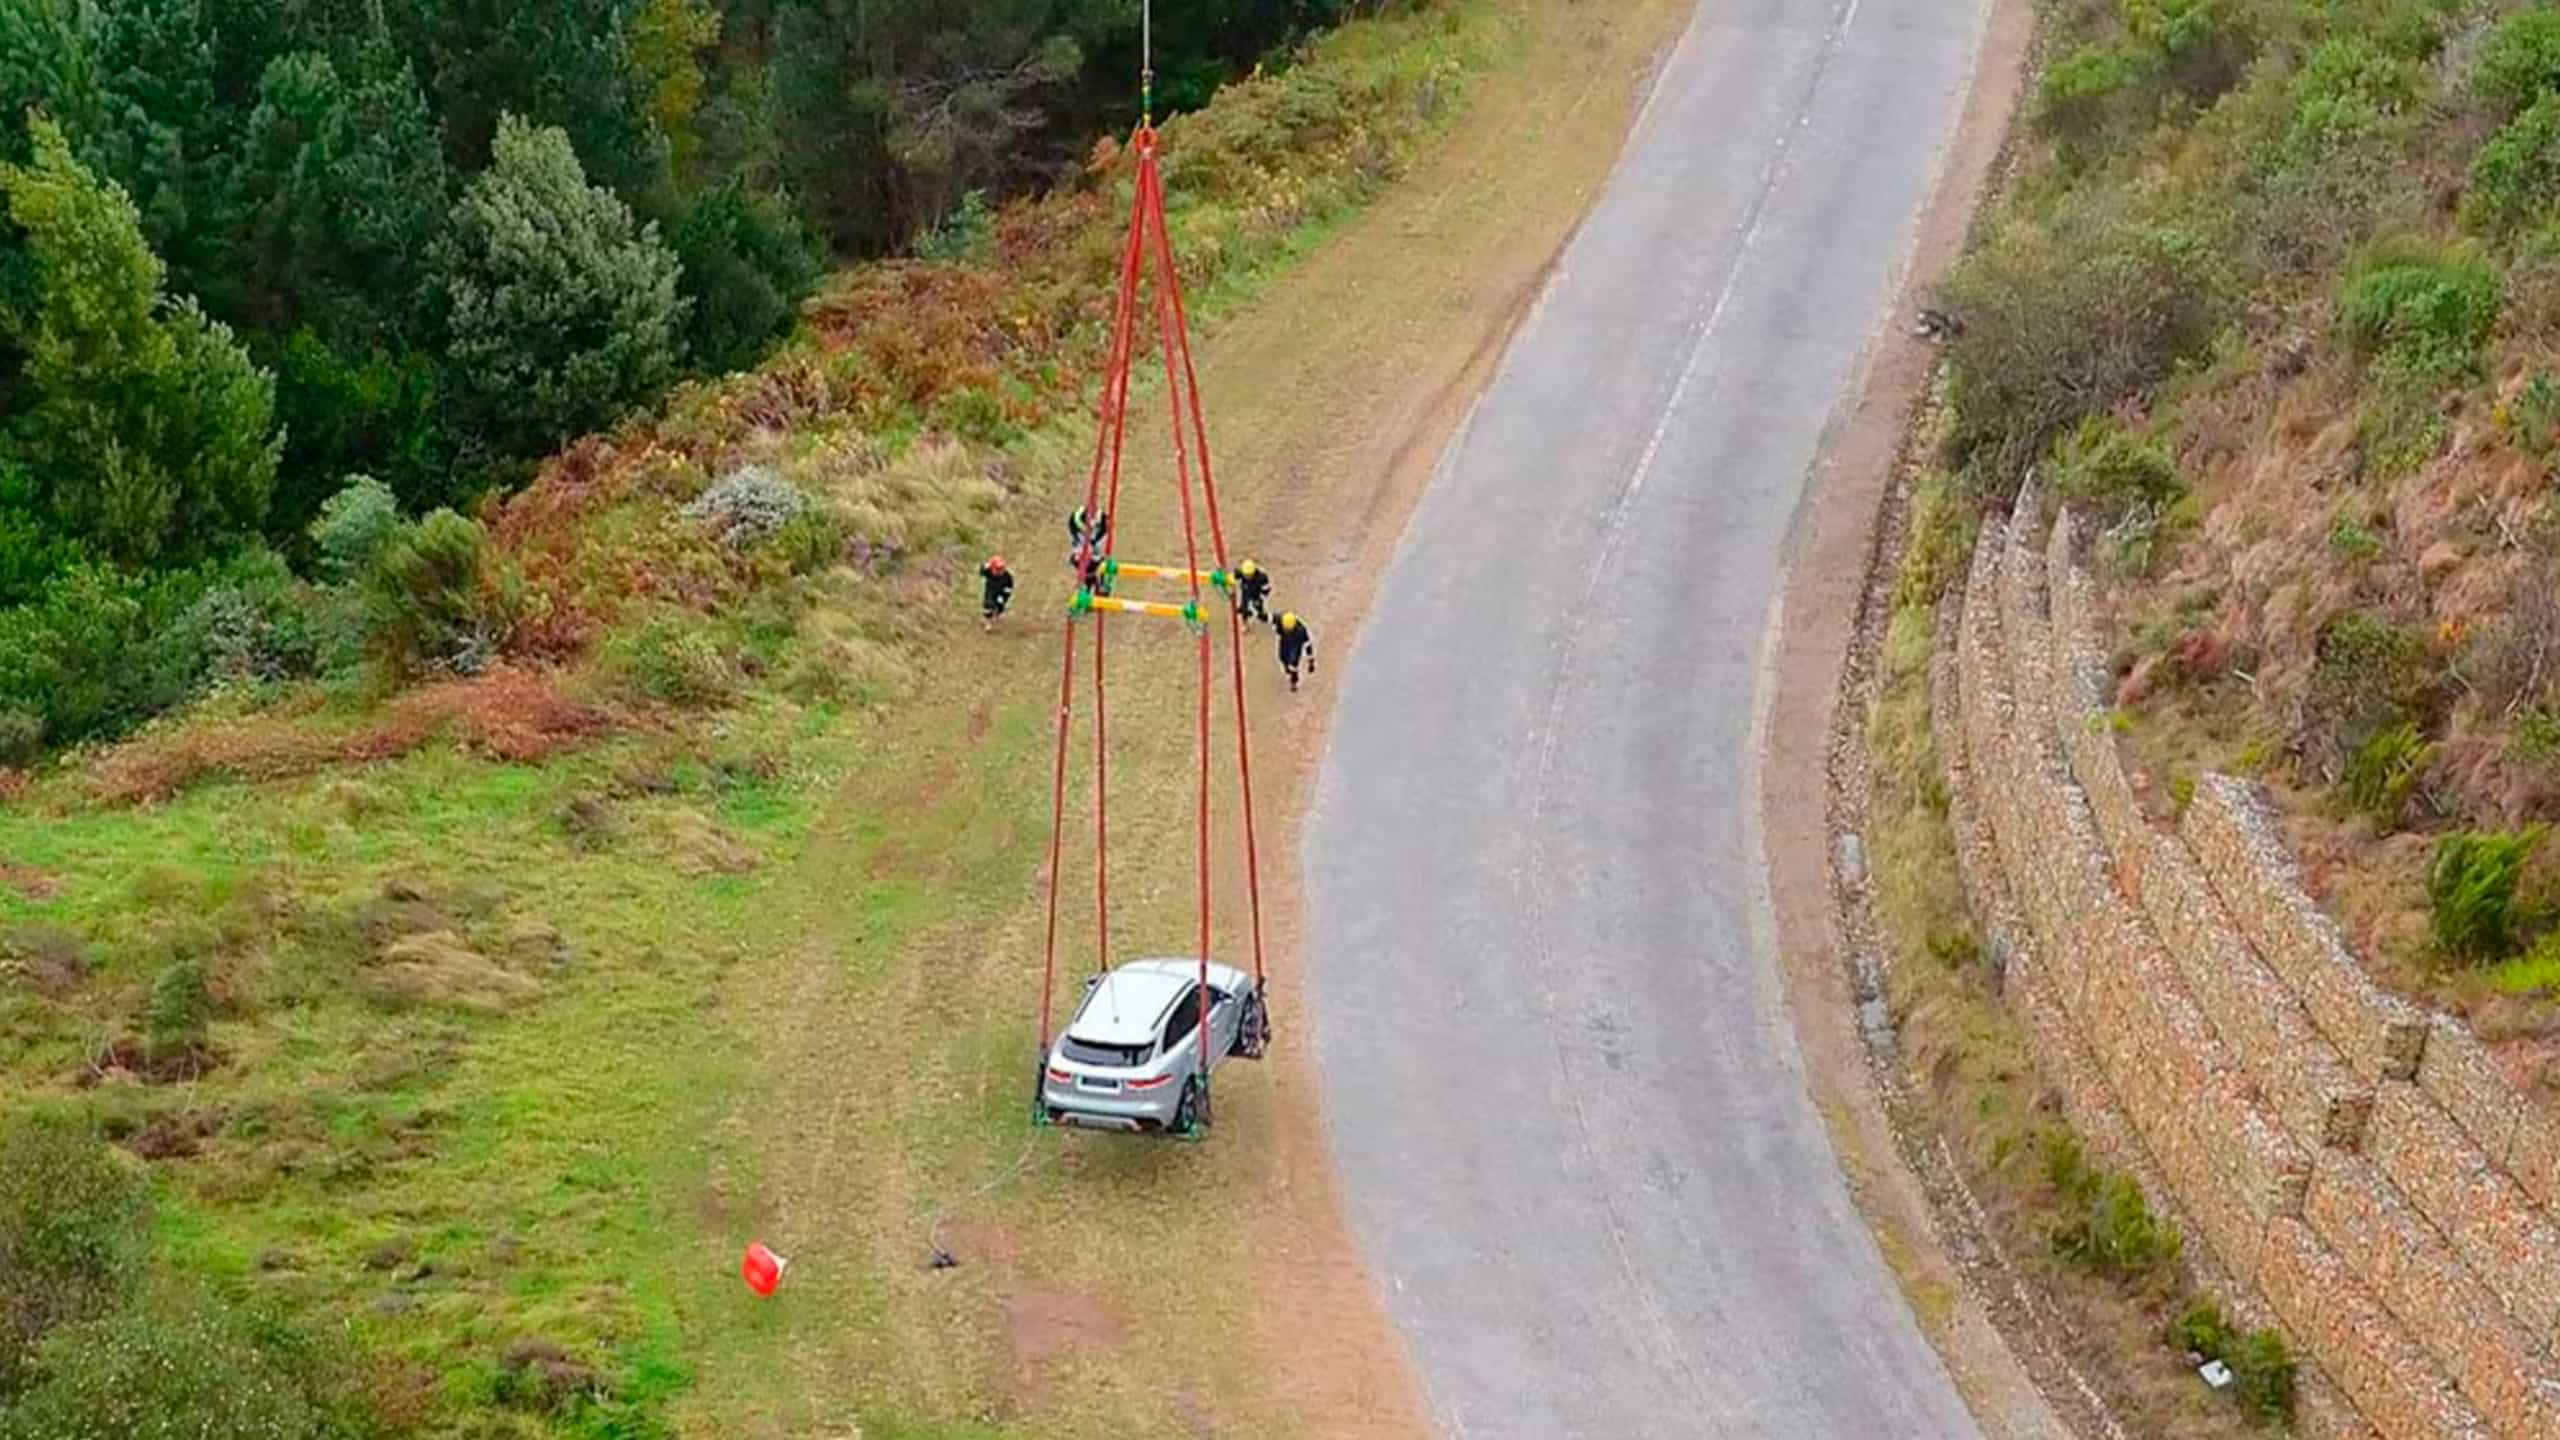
(1849, 854)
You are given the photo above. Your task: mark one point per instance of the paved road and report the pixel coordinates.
(1561, 1086)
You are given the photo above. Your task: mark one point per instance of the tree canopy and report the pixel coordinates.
(250, 249)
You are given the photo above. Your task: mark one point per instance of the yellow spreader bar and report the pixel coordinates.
(1114, 569)
(1086, 602)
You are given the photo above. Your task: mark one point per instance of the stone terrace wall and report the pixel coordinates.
(2343, 1163)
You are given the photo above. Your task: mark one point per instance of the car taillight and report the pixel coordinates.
(1151, 1084)
(1061, 1076)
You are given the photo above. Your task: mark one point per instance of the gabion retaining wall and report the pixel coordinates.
(2344, 1163)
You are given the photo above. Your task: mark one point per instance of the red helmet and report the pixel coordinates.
(995, 562)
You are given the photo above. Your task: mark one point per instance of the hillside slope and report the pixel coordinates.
(483, 1022)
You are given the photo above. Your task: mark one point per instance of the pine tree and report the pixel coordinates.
(149, 435)
(564, 311)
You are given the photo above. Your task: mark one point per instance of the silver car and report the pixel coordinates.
(1131, 1058)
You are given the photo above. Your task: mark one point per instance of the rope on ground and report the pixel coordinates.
(937, 1258)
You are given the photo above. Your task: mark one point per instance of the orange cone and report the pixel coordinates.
(762, 1269)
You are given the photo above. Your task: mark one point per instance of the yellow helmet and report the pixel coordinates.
(1248, 568)
(1288, 619)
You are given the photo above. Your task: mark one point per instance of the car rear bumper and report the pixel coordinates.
(1068, 1105)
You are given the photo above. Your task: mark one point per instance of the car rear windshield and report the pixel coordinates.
(1088, 1053)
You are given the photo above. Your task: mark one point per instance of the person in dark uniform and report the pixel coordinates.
(996, 590)
(1296, 645)
(1086, 533)
(1253, 591)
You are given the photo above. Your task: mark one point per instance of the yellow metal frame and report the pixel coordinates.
(1114, 569)
(1086, 603)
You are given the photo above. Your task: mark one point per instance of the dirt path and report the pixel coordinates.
(1107, 1288)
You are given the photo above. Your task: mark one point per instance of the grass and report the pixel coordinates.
(781, 934)
(518, 1160)
(2535, 973)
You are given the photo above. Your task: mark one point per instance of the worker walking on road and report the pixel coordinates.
(1296, 644)
(996, 592)
(1253, 590)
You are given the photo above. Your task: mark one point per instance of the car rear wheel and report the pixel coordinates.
(1191, 1115)
(1253, 1032)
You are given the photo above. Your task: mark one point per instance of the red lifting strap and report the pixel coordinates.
(1148, 235)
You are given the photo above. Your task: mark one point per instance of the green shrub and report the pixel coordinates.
(2532, 418)
(2262, 1372)
(2348, 94)
(2110, 470)
(2351, 539)
(976, 414)
(2066, 320)
(437, 598)
(812, 540)
(2202, 45)
(175, 1016)
(2105, 1225)
(2537, 737)
(103, 649)
(2262, 1367)
(2424, 308)
(21, 736)
(72, 1232)
(2383, 771)
(2519, 62)
(2199, 1330)
(355, 526)
(177, 1364)
(2471, 892)
(965, 235)
(668, 659)
(2516, 174)
(2368, 674)
(1939, 540)
(2083, 97)
(244, 619)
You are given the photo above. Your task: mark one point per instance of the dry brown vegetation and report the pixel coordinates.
(2316, 314)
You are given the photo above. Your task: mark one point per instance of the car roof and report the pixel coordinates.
(1140, 991)
(1124, 1008)
(1187, 968)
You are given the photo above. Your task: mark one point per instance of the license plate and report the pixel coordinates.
(1087, 1082)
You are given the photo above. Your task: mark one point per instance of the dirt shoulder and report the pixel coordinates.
(1918, 1226)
